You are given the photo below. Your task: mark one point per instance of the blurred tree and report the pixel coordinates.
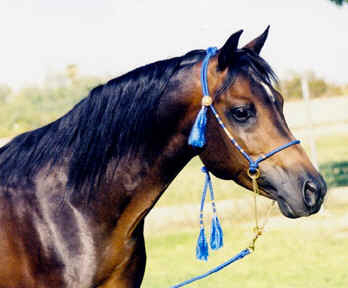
(31, 95)
(340, 2)
(291, 88)
(318, 87)
(34, 106)
(72, 72)
(5, 92)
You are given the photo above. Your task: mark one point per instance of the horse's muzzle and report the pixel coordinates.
(310, 200)
(313, 192)
(296, 195)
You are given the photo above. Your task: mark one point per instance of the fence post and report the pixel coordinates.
(310, 132)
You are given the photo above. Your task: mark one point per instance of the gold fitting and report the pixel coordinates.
(254, 175)
(252, 244)
(207, 101)
(258, 230)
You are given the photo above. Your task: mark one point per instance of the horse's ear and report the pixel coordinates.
(226, 52)
(257, 44)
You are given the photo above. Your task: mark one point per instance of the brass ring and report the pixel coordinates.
(255, 174)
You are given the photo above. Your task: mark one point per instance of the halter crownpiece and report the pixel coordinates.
(197, 135)
(197, 139)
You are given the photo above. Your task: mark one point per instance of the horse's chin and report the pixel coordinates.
(284, 206)
(290, 210)
(286, 209)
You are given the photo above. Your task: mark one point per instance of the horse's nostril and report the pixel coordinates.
(311, 194)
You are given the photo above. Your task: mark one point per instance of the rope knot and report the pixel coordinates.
(211, 51)
(204, 169)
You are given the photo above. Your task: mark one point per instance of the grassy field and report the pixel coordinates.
(308, 252)
(298, 253)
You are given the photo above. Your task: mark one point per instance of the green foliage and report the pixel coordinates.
(5, 92)
(335, 173)
(318, 87)
(339, 2)
(34, 106)
(291, 88)
(333, 158)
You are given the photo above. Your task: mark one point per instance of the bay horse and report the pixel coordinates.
(74, 193)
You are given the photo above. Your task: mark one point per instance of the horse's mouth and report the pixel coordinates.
(272, 193)
(285, 208)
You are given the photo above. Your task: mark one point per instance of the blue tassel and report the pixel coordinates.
(216, 237)
(202, 246)
(197, 135)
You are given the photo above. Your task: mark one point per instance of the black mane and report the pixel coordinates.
(116, 119)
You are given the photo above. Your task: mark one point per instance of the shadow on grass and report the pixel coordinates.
(335, 173)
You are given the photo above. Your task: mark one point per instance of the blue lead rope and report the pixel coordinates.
(239, 256)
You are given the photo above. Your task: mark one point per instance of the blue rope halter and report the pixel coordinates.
(197, 139)
(197, 135)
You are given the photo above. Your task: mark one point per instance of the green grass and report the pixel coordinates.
(332, 148)
(309, 255)
(333, 159)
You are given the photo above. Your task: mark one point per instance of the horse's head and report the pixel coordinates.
(240, 83)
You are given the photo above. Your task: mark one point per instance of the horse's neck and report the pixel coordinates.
(137, 183)
(141, 185)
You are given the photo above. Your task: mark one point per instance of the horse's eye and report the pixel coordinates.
(241, 114)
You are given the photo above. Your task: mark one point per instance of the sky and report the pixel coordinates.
(110, 37)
